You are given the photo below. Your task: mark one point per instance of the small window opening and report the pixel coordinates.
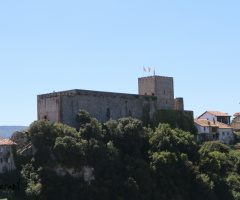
(129, 113)
(108, 113)
(152, 94)
(166, 102)
(164, 92)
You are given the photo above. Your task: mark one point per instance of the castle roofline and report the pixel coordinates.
(82, 92)
(150, 77)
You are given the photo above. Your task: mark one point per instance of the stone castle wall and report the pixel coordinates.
(63, 106)
(165, 92)
(146, 85)
(178, 104)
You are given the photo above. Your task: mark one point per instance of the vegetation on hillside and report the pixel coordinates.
(130, 162)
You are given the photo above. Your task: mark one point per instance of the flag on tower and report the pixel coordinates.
(149, 69)
(154, 71)
(144, 69)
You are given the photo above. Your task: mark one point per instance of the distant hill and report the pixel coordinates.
(7, 131)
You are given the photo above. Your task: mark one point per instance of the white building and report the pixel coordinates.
(216, 116)
(213, 131)
(6, 156)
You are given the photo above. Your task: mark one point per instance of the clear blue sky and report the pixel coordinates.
(103, 45)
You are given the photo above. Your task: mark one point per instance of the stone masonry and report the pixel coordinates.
(155, 92)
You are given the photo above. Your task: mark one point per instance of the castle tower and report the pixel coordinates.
(178, 103)
(159, 86)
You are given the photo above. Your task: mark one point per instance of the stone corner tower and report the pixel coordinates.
(160, 86)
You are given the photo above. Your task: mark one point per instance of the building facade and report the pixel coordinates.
(6, 156)
(216, 116)
(213, 131)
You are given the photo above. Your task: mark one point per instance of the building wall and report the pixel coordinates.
(100, 105)
(48, 106)
(225, 135)
(236, 126)
(6, 159)
(146, 85)
(165, 92)
(178, 104)
(201, 129)
(160, 86)
(209, 117)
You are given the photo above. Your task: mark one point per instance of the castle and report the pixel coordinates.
(155, 92)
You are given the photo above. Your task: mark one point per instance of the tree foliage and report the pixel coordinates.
(129, 161)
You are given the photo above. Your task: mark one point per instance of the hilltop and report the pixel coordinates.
(6, 131)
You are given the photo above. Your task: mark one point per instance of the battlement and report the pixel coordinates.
(155, 77)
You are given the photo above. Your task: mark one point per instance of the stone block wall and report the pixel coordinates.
(63, 107)
(159, 86)
(178, 104)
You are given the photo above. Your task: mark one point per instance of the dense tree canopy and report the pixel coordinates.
(129, 161)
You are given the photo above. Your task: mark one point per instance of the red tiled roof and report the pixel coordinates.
(205, 122)
(236, 114)
(216, 113)
(5, 141)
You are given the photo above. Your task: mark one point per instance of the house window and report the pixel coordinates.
(223, 133)
(204, 128)
(227, 133)
(1, 149)
(152, 94)
(8, 149)
(1, 160)
(164, 92)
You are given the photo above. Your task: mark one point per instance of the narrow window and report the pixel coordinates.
(129, 113)
(152, 94)
(204, 128)
(166, 101)
(108, 113)
(223, 133)
(1, 160)
(164, 92)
